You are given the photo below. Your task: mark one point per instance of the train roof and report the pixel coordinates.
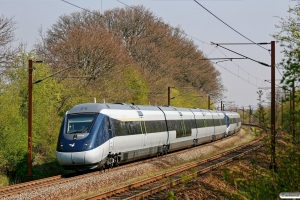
(97, 107)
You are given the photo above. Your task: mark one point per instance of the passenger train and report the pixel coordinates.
(95, 135)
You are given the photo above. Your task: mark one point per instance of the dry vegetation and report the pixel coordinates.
(246, 178)
(221, 183)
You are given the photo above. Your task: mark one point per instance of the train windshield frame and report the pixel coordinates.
(80, 123)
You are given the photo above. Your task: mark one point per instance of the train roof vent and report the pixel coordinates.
(140, 113)
(120, 103)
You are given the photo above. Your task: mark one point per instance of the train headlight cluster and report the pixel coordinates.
(86, 144)
(61, 145)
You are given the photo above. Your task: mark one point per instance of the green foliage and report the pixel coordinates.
(136, 85)
(225, 174)
(260, 113)
(13, 118)
(189, 98)
(4, 181)
(185, 178)
(171, 196)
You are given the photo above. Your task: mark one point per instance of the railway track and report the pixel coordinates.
(61, 179)
(32, 186)
(155, 184)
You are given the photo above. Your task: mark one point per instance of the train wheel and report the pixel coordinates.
(213, 138)
(165, 149)
(194, 143)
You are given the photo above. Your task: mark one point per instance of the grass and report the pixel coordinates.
(4, 181)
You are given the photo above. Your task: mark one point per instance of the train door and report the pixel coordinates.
(110, 133)
(143, 127)
(206, 132)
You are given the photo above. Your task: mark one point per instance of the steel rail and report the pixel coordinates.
(179, 180)
(111, 193)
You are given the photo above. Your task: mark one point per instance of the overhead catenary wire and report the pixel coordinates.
(235, 74)
(77, 6)
(83, 8)
(230, 26)
(240, 67)
(124, 4)
(258, 44)
(278, 70)
(242, 55)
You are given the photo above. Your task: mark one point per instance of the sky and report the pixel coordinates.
(254, 19)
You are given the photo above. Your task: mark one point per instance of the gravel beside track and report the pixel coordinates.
(113, 179)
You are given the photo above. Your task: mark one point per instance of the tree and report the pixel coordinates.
(111, 45)
(158, 47)
(289, 36)
(7, 36)
(14, 113)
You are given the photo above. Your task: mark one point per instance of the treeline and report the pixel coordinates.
(124, 55)
(122, 44)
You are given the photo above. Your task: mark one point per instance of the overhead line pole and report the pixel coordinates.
(243, 115)
(30, 111)
(208, 102)
(169, 91)
(30, 85)
(293, 111)
(273, 153)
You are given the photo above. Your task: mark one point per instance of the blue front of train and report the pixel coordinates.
(80, 139)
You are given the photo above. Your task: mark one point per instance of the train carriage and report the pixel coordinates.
(233, 122)
(100, 135)
(139, 132)
(181, 127)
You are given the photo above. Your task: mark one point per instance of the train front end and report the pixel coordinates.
(81, 138)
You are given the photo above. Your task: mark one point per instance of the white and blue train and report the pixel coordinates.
(101, 135)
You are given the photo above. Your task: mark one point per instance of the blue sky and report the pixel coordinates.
(255, 19)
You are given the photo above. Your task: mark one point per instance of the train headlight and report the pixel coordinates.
(86, 144)
(61, 145)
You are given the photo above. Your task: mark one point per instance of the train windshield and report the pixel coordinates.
(80, 123)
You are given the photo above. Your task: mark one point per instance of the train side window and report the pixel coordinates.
(179, 128)
(208, 122)
(133, 127)
(171, 125)
(175, 125)
(150, 126)
(200, 123)
(223, 121)
(188, 127)
(192, 123)
(162, 126)
(120, 128)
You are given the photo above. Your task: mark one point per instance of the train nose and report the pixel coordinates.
(72, 158)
